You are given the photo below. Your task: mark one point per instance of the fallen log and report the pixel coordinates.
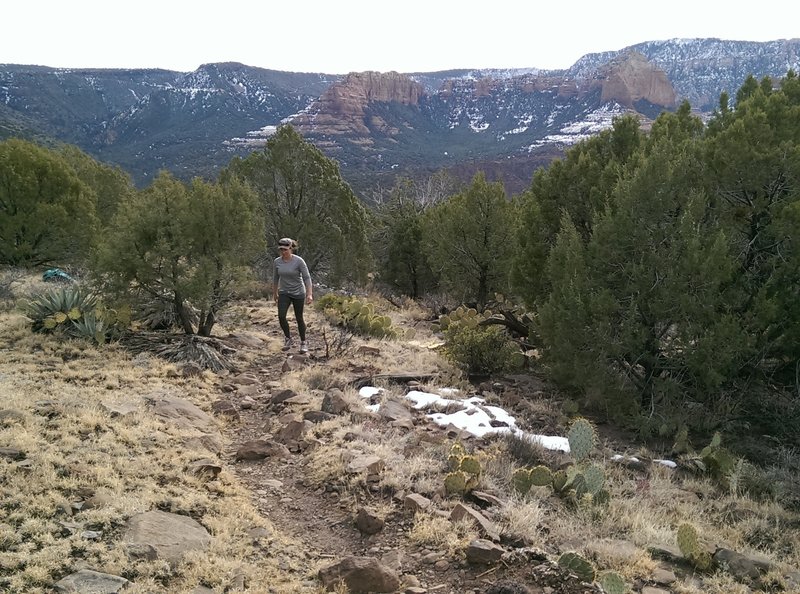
(396, 378)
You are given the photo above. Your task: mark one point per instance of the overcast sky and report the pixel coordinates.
(341, 36)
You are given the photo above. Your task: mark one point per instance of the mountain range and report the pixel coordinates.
(377, 125)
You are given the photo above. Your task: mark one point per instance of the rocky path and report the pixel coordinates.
(329, 524)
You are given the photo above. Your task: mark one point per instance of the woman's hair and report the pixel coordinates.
(287, 242)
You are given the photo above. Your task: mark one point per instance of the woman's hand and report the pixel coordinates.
(309, 299)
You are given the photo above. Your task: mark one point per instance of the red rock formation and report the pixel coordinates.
(341, 109)
(631, 78)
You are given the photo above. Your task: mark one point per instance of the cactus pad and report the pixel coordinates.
(582, 438)
(594, 478)
(455, 483)
(470, 465)
(602, 497)
(521, 480)
(612, 583)
(457, 450)
(578, 566)
(689, 544)
(559, 480)
(541, 476)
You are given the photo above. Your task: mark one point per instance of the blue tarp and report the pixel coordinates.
(57, 275)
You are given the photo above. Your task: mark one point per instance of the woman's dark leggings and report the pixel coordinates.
(284, 300)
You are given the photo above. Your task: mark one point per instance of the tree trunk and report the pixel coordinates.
(183, 314)
(206, 324)
(207, 321)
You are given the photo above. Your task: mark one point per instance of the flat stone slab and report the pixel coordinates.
(171, 535)
(87, 581)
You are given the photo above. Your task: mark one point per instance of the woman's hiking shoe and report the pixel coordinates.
(287, 343)
(303, 346)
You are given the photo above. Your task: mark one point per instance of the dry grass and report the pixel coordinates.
(526, 519)
(58, 394)
(441, 534)
(53, 395)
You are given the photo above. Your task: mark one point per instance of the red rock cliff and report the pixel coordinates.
(631, 78)
(341, 109)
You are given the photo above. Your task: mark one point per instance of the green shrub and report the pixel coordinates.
(481, 349)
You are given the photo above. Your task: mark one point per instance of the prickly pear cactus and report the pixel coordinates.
(577, 565)
(612, 583)
(582, 438)
(455, 483)
(687, 539)
(461, 315)
(541, 476)
(681, 445)
(521, 480)
(457, 450)
(559, 480)
(454, 461)
(353, 309)
(470, 465)
(585, 501)
(594, 478)
(602, 497)
(718, 461)
(578, 485)
(692, 550)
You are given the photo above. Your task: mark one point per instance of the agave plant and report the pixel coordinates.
(55, 309)
(77, 313)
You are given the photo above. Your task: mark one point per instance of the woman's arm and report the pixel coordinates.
(275, 281)
(306, 276)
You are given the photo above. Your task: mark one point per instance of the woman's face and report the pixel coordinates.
(285, 251)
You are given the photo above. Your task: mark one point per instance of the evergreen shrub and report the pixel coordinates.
(480, 350)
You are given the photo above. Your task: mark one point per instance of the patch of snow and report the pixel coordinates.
(476, 417)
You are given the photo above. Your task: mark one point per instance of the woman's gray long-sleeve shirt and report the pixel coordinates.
(291, 277)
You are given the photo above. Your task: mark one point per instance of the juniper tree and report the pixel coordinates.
(686, 288)
(579, 185)
(47, 214)
(397, 233)
(110, 184)
(470, 241)
(754, 153)
(185, 245)
(303, 196)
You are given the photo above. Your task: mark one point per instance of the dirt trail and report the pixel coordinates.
(321, 520)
